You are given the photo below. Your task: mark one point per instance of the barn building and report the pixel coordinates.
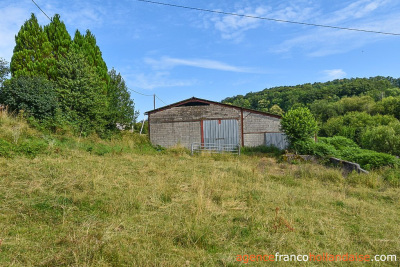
(196, 120)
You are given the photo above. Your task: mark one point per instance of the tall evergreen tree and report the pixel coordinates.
(80, 94)
(32, 52)
(88, 45)
(60, 39)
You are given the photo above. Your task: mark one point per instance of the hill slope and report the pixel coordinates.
(289, 96)
(90, 202)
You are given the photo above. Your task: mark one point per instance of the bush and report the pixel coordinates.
(338, 142)
(309, 147)
(382, 139)
(322, 149)
(35, 95)
(368, 159)
(299, 124)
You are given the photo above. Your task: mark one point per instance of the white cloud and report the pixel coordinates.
(372, 15)
(334, 74)
(234, 27)
(153, 80)
(168, 63)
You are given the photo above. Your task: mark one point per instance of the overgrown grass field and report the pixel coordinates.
(90, 202)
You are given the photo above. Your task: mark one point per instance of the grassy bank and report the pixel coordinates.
(91, 202)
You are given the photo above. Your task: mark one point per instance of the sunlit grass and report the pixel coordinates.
(121, 202)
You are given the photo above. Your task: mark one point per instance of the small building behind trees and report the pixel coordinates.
(196, 120)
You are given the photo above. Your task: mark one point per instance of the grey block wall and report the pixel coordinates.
(255, 126)
(183, 124)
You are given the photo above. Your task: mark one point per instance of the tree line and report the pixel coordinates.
(60, 82)
(365, 110)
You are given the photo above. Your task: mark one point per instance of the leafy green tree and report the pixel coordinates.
(4, 70)
(382, 138)
(275, 109)
(36, 96)
(80, 94)
(32, 52)
(299, 124)
(121, 107)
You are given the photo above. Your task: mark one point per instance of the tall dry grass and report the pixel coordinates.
(172, 209)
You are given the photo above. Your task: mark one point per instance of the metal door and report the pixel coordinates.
(221, 132)
(278, 140)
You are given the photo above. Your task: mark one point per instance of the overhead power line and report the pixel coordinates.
(41, 10)
(161, 100)
(270, 19)
(139, 93)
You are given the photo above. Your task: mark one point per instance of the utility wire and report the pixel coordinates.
(139, 92)
(270, 19)
(161, 100)
(41, 10)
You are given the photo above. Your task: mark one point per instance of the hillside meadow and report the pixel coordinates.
(122, 202)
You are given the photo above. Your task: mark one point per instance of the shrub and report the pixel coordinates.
(338, 142)
(382, 138)
(368, 159)
(299, 124)
(35, 95)
(309, 147)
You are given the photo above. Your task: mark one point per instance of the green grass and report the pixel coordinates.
(90, 202)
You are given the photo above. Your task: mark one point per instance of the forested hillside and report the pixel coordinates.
(364, 110)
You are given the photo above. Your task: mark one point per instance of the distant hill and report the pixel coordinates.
(305, 94)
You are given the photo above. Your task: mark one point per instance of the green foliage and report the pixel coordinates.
(353, 124)
(31, 147)
(35, 95)
(121, 107)
(83, 98)
(87, 45)
(275, 109)
(287, 96)
(80, 94)
(4, 70)
(368, 159)
(6, 149)
(338, 142)
(138, 127)
(60, 40)
(382, 138)
(299, 124)
(32, 52)
(309, 147)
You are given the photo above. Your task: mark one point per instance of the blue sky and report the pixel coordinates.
(178, 53)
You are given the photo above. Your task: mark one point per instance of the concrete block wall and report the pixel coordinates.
(183, 124)
(255, 126)
(173, 133)
(190, 113)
